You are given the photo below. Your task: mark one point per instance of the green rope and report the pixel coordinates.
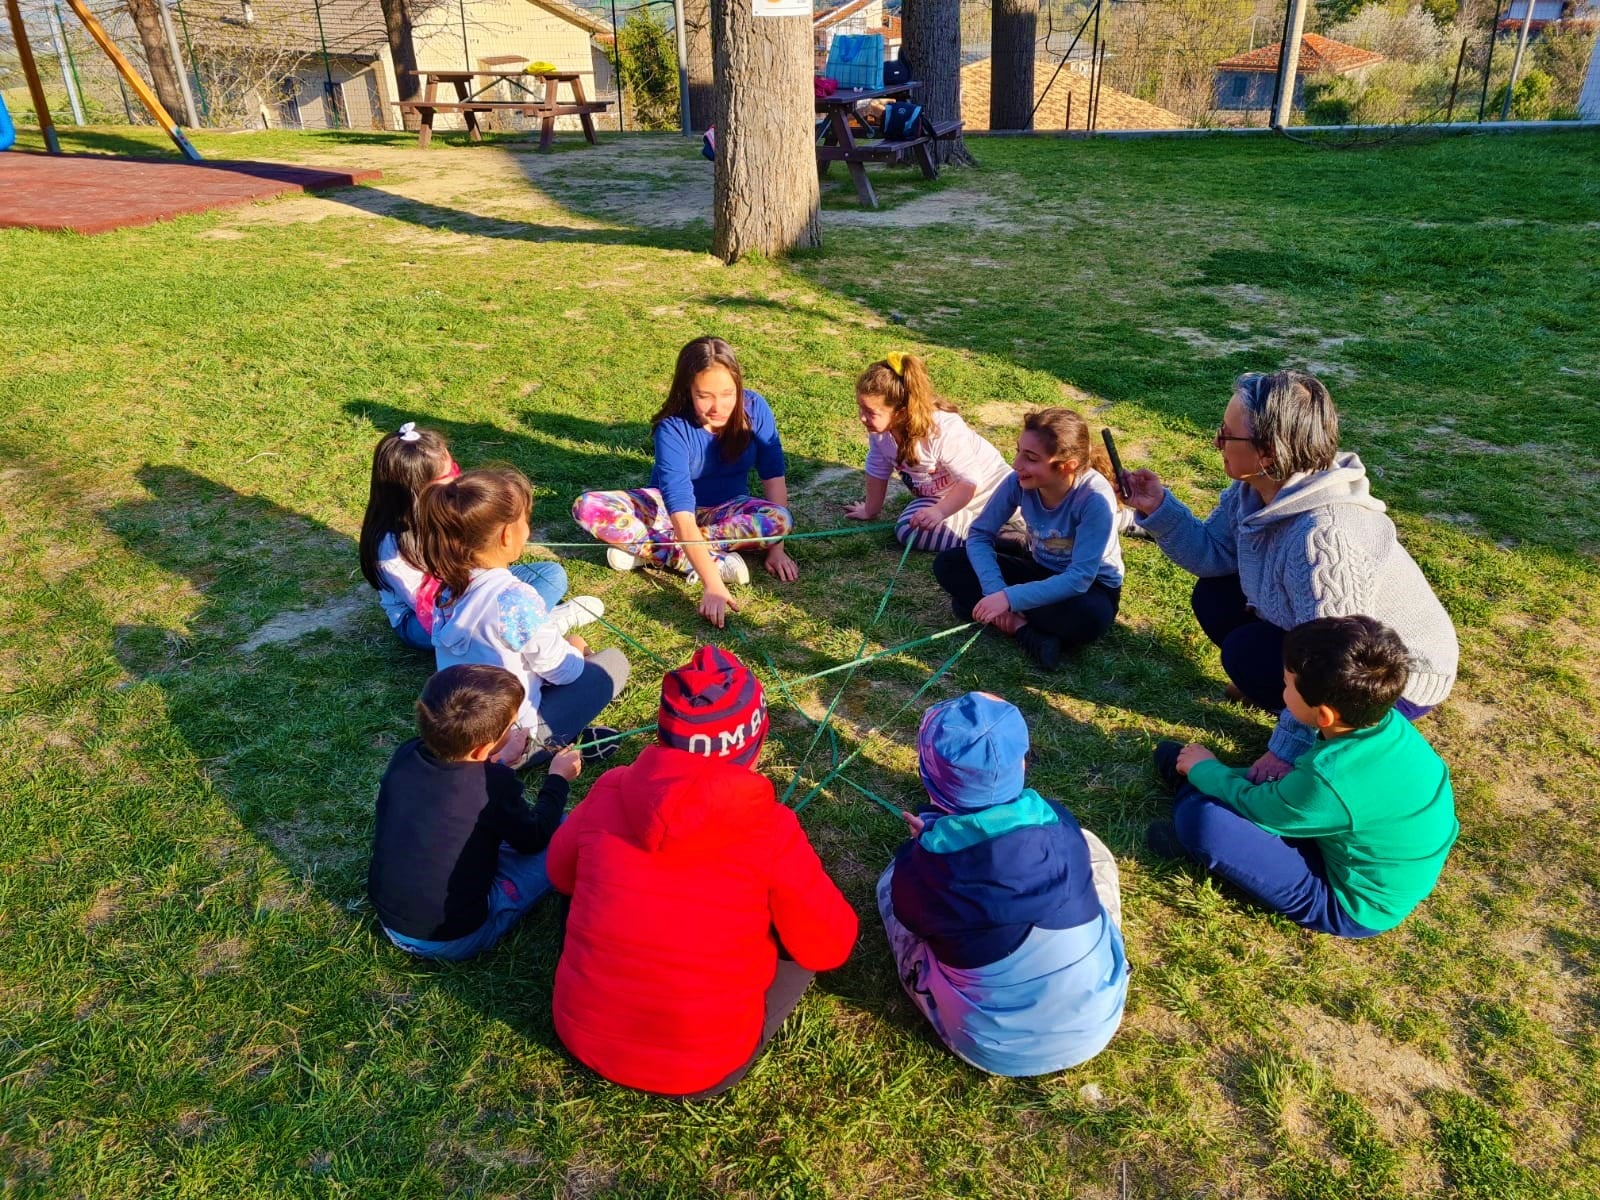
(617, 737)
(891, 809)
(842, 531)
(903, 646)
(827, 717)
(783, 690)
(876, 729)
(637, 645)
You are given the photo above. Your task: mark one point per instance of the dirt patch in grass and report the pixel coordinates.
(953, 206)
(1389, 1077)
(103, 909)
(336, 616)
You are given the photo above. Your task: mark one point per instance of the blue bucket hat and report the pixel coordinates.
(971, 751)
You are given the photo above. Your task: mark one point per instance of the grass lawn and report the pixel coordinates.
(197, 693)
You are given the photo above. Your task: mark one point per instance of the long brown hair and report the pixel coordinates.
(902, 381)
(1066, 436)
(701, 355)
(403, 464)
(460, 518)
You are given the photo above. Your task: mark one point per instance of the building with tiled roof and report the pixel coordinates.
(1066, 98)
(1245, 81)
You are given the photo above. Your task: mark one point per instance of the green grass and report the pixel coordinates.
(192, 1001)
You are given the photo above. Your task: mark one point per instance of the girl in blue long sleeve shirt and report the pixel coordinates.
(1055, 581)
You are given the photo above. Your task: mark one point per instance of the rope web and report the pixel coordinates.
(823, 727)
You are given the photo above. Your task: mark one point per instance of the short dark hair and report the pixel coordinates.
(464, 707)
(1356, 666)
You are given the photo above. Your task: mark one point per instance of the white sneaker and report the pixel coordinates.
(619, 559)
(1127, 526)
(730, 568)
(580, 610)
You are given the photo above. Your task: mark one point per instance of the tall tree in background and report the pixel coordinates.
(765, 196)
(702, 83)
(646, 61)
(1014, 34)
(932, 44)
(397, 31)
(146, 16)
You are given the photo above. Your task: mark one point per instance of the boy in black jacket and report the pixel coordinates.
(458, 855)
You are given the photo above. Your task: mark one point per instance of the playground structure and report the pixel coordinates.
(136, 84)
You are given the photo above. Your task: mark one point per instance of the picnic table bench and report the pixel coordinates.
(469, 102)
(842, 120)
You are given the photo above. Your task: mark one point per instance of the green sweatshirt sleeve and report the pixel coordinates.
(1301, 804)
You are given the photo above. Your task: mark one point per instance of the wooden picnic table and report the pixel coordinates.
(547, 104)
(842, 121)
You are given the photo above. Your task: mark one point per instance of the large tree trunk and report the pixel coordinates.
(702, 75)
(163, 71)
(1013, 35)
(932, 44)
(765, 196)
(397, 30)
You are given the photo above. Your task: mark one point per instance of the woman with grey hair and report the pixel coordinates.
(1297, 536)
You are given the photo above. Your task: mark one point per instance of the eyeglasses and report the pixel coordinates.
(1224, 437)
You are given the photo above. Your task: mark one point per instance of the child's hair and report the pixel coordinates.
(701, 355)
(403, 464)
(459, 518)
(462, 708)
(902, 380)
(1066, 436)
(1356, 666)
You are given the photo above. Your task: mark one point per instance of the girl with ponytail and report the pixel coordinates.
(950, 470)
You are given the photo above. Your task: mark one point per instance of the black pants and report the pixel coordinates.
(1077, 621)
(1252, 649)
(788, 985)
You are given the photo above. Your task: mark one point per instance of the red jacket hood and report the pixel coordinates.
(673, 799)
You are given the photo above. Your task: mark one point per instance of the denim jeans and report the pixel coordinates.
(549, 579)
(1286, 875)
(519, 884)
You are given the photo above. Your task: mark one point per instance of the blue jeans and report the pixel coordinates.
(519, 884)
(1285, 875)
(549, 579)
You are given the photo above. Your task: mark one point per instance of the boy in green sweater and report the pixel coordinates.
(1354, 837)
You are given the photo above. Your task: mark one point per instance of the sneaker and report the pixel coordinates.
(1043, 648)
(594, 733)
(580, 610)
(1166, 759)
(731, 568)
(1161, 837)
(619, 559)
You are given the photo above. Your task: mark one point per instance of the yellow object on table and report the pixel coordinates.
(540, 68)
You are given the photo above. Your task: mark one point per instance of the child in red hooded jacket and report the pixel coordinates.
(686, 874)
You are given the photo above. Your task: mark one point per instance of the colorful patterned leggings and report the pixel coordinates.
(949, 533)
(639, 523)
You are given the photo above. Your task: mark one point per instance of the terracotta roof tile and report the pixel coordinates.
(1318, 56)
(1118, 110)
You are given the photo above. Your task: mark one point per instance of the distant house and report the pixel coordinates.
(320, 64)
(1060, 99)
(1582, 14)
(1245, 81)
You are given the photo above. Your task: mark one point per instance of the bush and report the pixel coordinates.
(646, 62)
(1534, 99)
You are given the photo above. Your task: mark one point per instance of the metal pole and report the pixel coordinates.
(1488, 61)
(466, 50)
(1516, 62)
(58, 35)
(1450, 108)
(1289, 65)
(616, 60)
(171, 35)
(188, 46)
(330, 110)
(683, 71)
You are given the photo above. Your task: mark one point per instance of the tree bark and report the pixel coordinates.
(1014, 32)
(702, 74)
(932, 45)
(146, 16)
(765, 196)
(397, 30)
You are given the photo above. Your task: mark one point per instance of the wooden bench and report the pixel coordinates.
(469, 104)
(942, 130)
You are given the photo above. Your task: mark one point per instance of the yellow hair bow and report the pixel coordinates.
(896, 361)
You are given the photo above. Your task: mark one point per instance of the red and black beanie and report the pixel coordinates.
(713, 706)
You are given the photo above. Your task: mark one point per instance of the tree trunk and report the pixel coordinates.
(397, 30)
(1013, 35)
(765, 196)
(932, 45)
(146, 16)
(702, 86)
